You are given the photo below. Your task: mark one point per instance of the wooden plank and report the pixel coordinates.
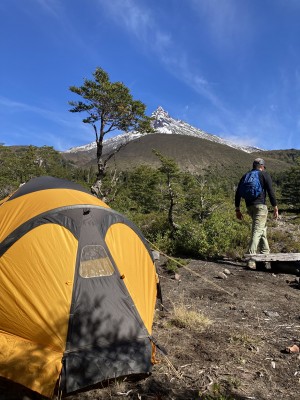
(273, 257)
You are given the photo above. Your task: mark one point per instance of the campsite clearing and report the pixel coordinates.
(242, 354)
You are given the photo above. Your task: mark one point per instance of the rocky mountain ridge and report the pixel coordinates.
(162, 123)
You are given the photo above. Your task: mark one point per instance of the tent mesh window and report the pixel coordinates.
(94, 262)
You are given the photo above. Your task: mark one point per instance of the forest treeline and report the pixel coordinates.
(183, 214)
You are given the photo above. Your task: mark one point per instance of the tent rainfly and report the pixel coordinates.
(78, 290)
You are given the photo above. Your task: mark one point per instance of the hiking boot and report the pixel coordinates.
(251, 264)
(267, 265)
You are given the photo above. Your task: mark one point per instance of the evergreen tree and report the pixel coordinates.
(171, 171)
(109, 106)
(291, 186)
(20, 164)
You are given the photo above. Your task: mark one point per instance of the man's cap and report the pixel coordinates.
(258, 161)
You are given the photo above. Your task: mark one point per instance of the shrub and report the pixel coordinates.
(190, 240)
(226, 235)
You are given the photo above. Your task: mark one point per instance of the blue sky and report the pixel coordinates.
(229, 67)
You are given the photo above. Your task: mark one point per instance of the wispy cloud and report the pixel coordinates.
(15, 106)
(66, 30)
(263, 128)
(30, 134)
(229, 25)
(70, 126)
(52, 7)
(228, 22)
(140, 21)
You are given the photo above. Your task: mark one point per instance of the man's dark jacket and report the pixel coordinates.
(266, 183)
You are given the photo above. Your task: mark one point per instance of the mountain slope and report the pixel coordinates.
(193, 149)
(192, 154)
(162, 123)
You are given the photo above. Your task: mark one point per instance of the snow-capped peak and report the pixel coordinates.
(159, 114)
(163, 123)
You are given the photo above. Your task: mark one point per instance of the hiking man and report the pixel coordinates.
(253, 187)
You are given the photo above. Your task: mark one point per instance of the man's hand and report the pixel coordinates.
(238, 214)
(275, 212)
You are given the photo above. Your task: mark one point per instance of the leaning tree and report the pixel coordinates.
(109, 106)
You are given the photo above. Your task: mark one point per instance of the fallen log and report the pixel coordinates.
(273, 257)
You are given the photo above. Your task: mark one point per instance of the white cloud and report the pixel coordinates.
(16, 106)
(139, 21)
(244, 140)
(71, 126)
(229, 24)
(262, 128)
(227, 21)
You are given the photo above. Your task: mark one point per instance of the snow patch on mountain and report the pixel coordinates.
(108, 144)
(162, 123)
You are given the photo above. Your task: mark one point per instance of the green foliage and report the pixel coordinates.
(168, 165)
(218, 390)
(164, 242)
(8, 166)
(190, 240)
(170, 188)
(145, 192)
(284, 242)
(202, 207)
(173, 264)
(202, 212)
(218, 235)
(226, 236)
(109, 106)
(20, 164)
(291, 187)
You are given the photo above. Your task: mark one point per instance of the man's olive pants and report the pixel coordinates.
(259, 242)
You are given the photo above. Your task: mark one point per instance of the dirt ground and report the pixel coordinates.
(252, 318)
(242, 355)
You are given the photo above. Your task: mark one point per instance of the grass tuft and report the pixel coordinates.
(189, 319)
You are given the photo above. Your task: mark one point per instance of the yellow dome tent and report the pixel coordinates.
(78, 289)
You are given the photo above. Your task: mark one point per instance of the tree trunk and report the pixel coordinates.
(171, 208)
(96, 189)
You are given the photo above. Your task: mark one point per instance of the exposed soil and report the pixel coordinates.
(255, 316)
(242, 354)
